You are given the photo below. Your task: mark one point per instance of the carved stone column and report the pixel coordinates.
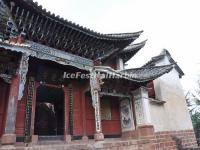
(142, 112)
(127, 121)
(95, 88)
(9, 136)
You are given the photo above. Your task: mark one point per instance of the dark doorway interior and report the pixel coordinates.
(4, 89)
(49, 113)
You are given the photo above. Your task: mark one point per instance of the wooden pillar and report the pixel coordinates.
(84, 114)
(66, 115)
(30, 111)
(142, 112)
(95, 88)
(67, 136)
(84, 138)
(9, 136)
(15, 94)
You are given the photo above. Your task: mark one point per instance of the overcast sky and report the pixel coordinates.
(170, 24)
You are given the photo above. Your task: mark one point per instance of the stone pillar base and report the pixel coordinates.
(130, 134)
(98, 137)
(34, 139)
(68, 138)
(8, 139)
(85, 139)
(145, 130)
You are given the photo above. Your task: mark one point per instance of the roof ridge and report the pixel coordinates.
(124, 33)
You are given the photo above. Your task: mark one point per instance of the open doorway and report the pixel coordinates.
(4, 88)
(49, 111)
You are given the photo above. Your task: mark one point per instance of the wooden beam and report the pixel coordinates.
(114, 94)
(47, 53)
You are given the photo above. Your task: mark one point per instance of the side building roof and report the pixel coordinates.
(161, 56)
(139, 75)
(145, 74)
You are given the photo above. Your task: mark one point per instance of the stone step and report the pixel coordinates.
(49, 147)
(55, 142)
(77, 145)
(51, 138)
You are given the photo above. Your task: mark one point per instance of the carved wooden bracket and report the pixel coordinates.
(6, 78)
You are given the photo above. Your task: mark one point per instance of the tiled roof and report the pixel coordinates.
(164, 53)
(143, 74)
(41, 26)
(129, 51)
(116, 36)
(153, 61)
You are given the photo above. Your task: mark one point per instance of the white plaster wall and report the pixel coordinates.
(120, 64)
(173, 115)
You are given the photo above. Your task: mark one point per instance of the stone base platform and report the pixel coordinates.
(166, 140)
(107, 144)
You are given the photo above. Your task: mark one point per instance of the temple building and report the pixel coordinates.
(60, 81)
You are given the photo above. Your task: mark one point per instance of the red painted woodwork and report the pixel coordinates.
(66, 111)
(10, 120)
(77, 111)
(21, 112)
(83, 113)
(36, 85)
(90, 117)
(113, 126)
(4, 89)
(109, 127)
(151, 90)
(113, 64)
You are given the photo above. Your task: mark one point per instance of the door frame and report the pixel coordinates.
(66, 104)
